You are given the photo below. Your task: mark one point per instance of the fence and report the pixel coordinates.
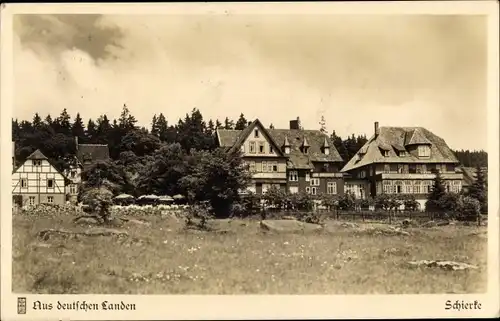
(381, 216)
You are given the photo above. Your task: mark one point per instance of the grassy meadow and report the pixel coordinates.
(160, 257)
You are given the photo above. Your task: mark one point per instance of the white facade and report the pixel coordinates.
(39, 182)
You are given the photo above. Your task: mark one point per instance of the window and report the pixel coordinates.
(457, 186)
(387, 187)
(293, 176)
(386, 153)
(50, 183)
(418, 169)
(305, 149)
(416, 187)
(362, 174)
(37, 162)
(271, 150)
(294, 189)
(379, 188)
(73, 173)
(408, 187)
(400, 168)
(265, 187)
(406, 168)
(252, 188)
(308, 177)
(331, 188)
(32, 200)
(308, 190)
(424, 168)
(242, 148)
(269, 166)
(72, 189)
(261, 147)
(256, 133)
(399, 187)
(371, 171)
(402, 153)
(24, 183)
(327, 150)
(326, 168)
(427, 186)
(50, 199)
(424, 151)
(251, 166)
(287, 150)
(438, 168)
(387, 168)
(313, 190)
(315, 182)
(252, 147)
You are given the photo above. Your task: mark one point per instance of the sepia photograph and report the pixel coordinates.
(238, 153)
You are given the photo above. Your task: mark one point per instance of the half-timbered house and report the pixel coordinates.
(38, 181)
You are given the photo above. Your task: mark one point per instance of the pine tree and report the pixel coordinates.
(434, 198)
(37, 121)
(91, 131)
(478, 190)
(241, 123)
(126, 121)
(78, 129)
(63, 123)
(228, 124)
(154, 127)
(218, 124)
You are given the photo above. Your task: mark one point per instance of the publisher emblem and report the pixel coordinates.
(21, 305)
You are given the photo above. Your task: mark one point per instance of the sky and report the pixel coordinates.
(419, 70)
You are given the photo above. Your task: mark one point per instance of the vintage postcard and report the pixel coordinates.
(249, 160)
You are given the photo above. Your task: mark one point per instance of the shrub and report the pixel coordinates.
(347, 202)
(198, 215)
(99, 200)
(17, 200)
(275, 197)
(301, 201)
(449, 202)
(330, 201)
(469, 208)
(410, 203)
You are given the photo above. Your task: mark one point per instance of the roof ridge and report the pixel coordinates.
(93, 144)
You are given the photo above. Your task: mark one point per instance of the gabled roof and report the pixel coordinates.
(293, 137)
(248, 130)
(393, 139)
(37, 154)
(92, 152)
(416, 137)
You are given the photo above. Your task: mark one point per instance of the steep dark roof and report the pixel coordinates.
(92, 152)
(295, 137)
(394, 139)
(37, 154)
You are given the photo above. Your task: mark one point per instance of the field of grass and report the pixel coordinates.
(160, 257)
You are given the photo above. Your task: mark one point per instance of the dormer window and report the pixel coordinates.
(402, 153)
(385, 153)
(287, 150)
(424, 151)
(327, 150)
(37, 162)
(256, 133)
(305, 149)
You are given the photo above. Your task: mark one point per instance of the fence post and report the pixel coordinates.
(390, 217)
(363, 215)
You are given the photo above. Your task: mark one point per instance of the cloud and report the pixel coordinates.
(398, 70)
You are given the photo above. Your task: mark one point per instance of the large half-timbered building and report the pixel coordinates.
(38, 181)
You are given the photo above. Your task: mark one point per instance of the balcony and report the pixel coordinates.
(427, 176)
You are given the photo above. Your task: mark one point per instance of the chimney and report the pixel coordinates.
(377, 131)
(76, 142)
(295, 124)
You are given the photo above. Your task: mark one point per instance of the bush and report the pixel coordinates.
(469, 208)
(330, 201)
(275, 197)
(198, 215)
(99, 200)
(410, 203)
(450, 202)
(347, 202)
(17, 200)
(301, 201)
